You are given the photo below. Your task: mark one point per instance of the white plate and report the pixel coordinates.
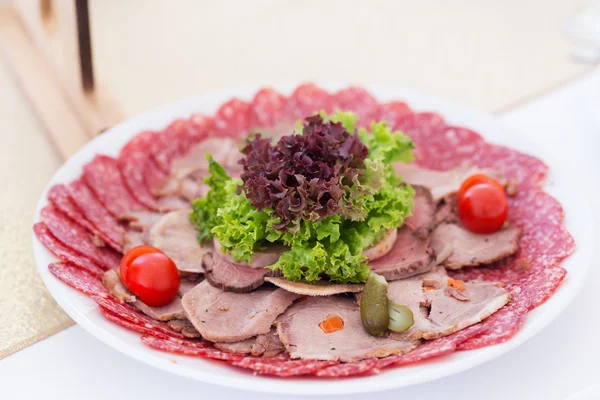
(84, 311)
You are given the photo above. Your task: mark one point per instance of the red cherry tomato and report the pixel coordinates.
(132, 255)
(476, 180)
(151, 275)
(483, 208)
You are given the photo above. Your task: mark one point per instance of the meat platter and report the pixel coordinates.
(273, 252)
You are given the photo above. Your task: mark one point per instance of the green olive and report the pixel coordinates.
(401, 317)
(374, 305)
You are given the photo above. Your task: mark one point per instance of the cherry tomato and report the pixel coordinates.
(476, 180)
(483, 208)
(151, 275)
(132, 255)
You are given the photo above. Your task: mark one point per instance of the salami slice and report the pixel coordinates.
(77, 238)
(231, 118)
(96, 213)
(394, 111)
(77, 278)
(179, 348)
(179, 137)
(307, 100)
(360, 102)
(268, 109)
(64, 253)
(349, 369)
(103, 176)
(58, 195)
(276, 367)
(127, 312)
(134, 160)
(131, 326)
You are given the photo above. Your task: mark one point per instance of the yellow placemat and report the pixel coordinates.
(27, 161)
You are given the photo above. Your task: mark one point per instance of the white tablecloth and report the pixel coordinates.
(560, 361)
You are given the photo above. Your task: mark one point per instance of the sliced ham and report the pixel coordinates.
(173, 310)
(440, 309)
(175, 235)
(461, 248)
(383, 247)
(441, 183)
(259, 259)
(409, 256)
(226, 317)
(299, 330)
(232, 277)
(422, 220)
(321, 288)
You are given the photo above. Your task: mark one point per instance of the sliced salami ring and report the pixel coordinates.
(179, 348)
(360, 102)
(64, 253)
(58, 195)
(77, 238)
(96, 213)
(77, 278)
(394, 111)
(349, 369)
(179, 137)
(307, 100)
(133, 315)
(276, 367)
(268, 109)
(103, 176)
(231, 118)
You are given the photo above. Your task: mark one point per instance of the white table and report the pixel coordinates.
(560, 361)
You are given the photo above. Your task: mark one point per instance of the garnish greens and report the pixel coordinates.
(328, 192)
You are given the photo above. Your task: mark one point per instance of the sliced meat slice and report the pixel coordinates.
(447, 211)
(232, 277)
(77, 278)
(78, 238)
(383, 247)
(141, 220)
(409, 256)
(439, 308)
(321, 288)
(132, 239)
(232, 317)
(103, 176)
(173, 310)
(96, 213)
(299, 330)
(65, 253)
(267, 345)
(172, 203)
(241, 347)
(260, 259)
(422, 220)
(112, 281)
(185, 286)
(176, 237)
(467, 249)
(441, 183)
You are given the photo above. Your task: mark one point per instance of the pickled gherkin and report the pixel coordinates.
(374, 305)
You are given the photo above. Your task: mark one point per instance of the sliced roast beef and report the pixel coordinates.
(440, 306)
(447, 211)
(232, 277)
(457, 247)
(141, 220)
(441, 183)
(409, 256)
(112, 281)
(422, 220)
(260, 259)
(299, 330)
(185, 286)
(321, 288)
(267, 345)
(173, 310)
(227, 317)
(175, 235)
(383, 247)
(132, 239)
